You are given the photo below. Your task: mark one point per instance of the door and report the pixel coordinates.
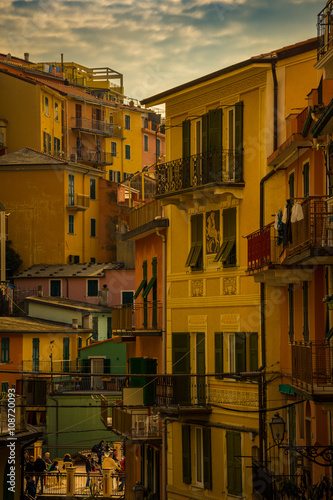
(97, 366)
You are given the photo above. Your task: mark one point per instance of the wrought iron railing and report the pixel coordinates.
(325, 29)
(93, 155)
(62, 365)
(136, 423)
(222, 166)
(312, 365)
(78, 200)
(262, 249)
(90, 125)
(181, 391)
(128, 318)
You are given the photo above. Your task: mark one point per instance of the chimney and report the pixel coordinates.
(103, 296)
(26, 56)
(40, 291)
(75, 323)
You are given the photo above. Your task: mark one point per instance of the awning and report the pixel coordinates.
(287, 389)
(149, 287)
(141, 286)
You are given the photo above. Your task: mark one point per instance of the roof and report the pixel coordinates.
(95, 343)
(29, 156)
(11, 324)
(68, 304)
(69, 270)
(277, 55)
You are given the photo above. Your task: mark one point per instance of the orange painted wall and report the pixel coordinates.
(15, 358)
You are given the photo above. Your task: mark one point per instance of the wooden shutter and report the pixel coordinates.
(306, 179)
(291, 311)
(186, 138)
(186, 453)
(253, 348)
(137, 366)
(239, 141)
(306, 311)
(240, 349)
(181, 364)
(207, 458)
(215, 145)
(201, 367)
(107, 365)
(234, 463)
(218, 353)
(85, 365)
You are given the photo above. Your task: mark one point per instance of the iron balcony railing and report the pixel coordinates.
(94, 126)
(325, 29)
(128, 318)
(78, 200)
(312, 365)
(136, 423)
(93, 156)
(146, 213)
(314, 231)
(181, 391)
(222, 166)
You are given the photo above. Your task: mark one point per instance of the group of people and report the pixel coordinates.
(117, 466)
(35, 471)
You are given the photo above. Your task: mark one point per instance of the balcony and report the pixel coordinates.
(312, 370)
(96, 156)
(325, 40)
(95, 126)
(131, 320)
(77, 202)
(136, 424)
(200, 170)
(182, 394)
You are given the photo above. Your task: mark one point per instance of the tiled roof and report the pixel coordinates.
(68, 304)
(29, 156)
(26, 325)
(68, 270)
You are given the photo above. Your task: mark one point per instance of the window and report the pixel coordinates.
(234, 463)
(70, 189)
(127, 297)
(45, 142)
(203, 457)
(145, 145)
(71, 224)
(291, 311)
(93, 189)
(56, 146)
(127, 152)
(56, 111)
(127, 122)
(195, 256)
(113, 148)
(227, 252)
(114, 176)
(50, 144)
(5, 350)
(79, 342)
(76, 259)
(143, 283)
(218, 353)
(181, 363)
(306, 179)
(241, 350)
(4, 387)
(46, 106)
(35, 355)
(95, 327)
(158, 148)
(55, 288)
(306, 311)
(186, 453)
(291, 182)
(109, 327)
(92, 288)
(65, 354)
(93, 227)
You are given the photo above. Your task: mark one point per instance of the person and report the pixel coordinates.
(39, 468)
(122, 474)
(68, 459)
(29, 468)
(26, 457)
(47, 459)
(99, 449)
(90, 467)
(31, 487)
(53, 467)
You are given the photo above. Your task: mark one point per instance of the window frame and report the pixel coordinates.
(113, 148)
(5, 349)
(71, 189)
(92, 227)
(145, 142)
(46, 106)
(70, 224)
(53, 281)
(127, 152)
(56, 111)
(96, 284)
(127, 125)
(92, 190)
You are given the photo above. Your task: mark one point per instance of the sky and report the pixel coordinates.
(157, 45)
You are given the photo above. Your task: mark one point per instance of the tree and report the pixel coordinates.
(13, 261)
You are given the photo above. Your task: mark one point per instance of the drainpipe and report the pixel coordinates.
(263, 386)
(164, 428)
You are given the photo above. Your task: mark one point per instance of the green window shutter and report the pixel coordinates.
(109, 327)
(306, 180)
(35, 354)
(4, 387)
(194, 258)
(239, 141)
(234, 463)
(253, 346)
(107, 365)
(136, 367)
(92, 189)
(204, 132)
(181, 364)
(227, 252)
(306, 311)
(150, 285)
(240, 349)
(85, 365)
(5, 350)
(186, 138)
(186, 453)
(218, 353)
(207, 458)
(215, 129)
(92, 288)
(144, 280)
(291, 312)
(65, 355)
(55, 288)
(291, 182)
(200, 368)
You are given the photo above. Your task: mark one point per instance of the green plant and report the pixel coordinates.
(94, 493)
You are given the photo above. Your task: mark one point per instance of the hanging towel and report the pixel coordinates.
(297, 213)
(285, 215)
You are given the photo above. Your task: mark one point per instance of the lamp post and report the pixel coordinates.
(278, 428)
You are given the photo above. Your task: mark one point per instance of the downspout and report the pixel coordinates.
(164, 428)
(263, 450)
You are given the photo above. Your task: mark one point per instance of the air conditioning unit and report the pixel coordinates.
(73, 157)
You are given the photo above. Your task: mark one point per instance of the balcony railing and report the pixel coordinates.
(55, 366)
(128, 318)
(93, 126)
(146, 213)
(325, 29)
(93, 156)
(312, 366)
(136, 423)
(181, 391)
(262, 249)
(78, 201)
(223, 166)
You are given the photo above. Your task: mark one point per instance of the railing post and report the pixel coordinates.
(70, 481)
(107, 482)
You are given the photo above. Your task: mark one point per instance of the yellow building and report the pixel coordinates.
(53, 208)
(220, 130)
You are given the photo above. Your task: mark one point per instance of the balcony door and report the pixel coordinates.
(97, 366)
(181, 365)
(200, 354)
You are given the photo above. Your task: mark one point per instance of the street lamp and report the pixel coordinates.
(278, 428)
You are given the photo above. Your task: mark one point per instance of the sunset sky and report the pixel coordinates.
(155, 44)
